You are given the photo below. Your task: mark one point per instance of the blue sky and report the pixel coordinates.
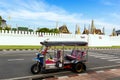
(45, 13)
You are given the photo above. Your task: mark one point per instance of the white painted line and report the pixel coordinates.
(63, 77)
(109, 58)
(15, 59)
(82, 74)
(113, 69)
(114, 60)
(101, 71)
(96, 54)
(102, 56)
(104, 67)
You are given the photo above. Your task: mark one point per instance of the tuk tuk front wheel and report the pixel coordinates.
(36, 68)
(79, 67)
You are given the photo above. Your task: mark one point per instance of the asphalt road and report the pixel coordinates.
(17, 63)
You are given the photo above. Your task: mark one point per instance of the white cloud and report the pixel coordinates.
(115, 15)
(110, 2)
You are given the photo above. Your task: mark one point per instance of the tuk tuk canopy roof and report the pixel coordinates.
(66, 43)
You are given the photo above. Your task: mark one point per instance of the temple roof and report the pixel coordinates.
(118, 31)
(64, 29)
(2, 19)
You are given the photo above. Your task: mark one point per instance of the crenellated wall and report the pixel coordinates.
(33, 38)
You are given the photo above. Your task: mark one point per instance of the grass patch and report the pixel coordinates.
(26, 47)
(115, 46)
(14, 47)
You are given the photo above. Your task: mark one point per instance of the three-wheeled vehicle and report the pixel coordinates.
(61, 55)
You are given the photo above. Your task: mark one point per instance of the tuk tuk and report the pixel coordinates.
(61, 55)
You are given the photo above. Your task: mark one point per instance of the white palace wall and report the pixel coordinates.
(99, 40)
(115, 40)
(33, 38)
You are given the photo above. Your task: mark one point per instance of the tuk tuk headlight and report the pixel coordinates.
(36, 53)
(39, 55)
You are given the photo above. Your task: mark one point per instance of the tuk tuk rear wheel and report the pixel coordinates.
(79, 67)
(36, 68)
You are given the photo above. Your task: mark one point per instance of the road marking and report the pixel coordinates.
(15, 59)
(103, 67)
(101, 71)
(83, 74)
(63, 77)
(113, 69)
(102, 56)
(109, 58)
(114, 60)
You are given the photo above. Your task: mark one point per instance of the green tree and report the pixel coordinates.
(54, 30)
(47, 30)
(43, 30)
(14, 29)
(7, 28)
(0, 20)
(30, 30)
(22, 28)
(0, 28)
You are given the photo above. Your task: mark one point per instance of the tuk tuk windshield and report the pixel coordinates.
(42, 48)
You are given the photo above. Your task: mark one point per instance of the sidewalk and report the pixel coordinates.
(111, 74)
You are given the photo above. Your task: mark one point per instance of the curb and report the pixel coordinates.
(53, 77)
(82, 74)
(53, 49)
(17, 49)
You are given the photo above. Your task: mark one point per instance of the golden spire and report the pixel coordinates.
(92, 27)
(77, 30)
(85, 30)
(113, 32)
(103, 31)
